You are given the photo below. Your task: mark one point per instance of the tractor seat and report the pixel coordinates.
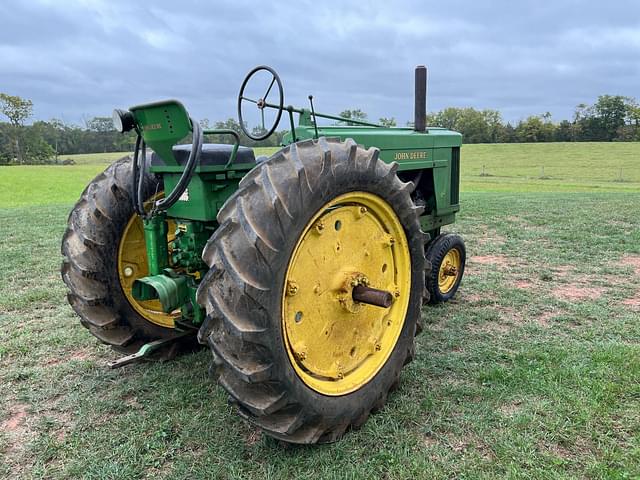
(212, 154)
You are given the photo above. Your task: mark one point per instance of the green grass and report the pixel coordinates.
(551, 167)
(568, 167)
(94, 158)
(532, 372)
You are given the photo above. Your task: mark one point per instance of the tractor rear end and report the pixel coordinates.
(305, 273)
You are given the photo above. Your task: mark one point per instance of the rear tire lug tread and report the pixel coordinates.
(247, 369)
(88, 244)
(259, 399)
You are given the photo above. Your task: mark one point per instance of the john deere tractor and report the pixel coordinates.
(305, 272)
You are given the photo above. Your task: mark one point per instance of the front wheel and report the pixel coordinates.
(447, 255)
(299, 356)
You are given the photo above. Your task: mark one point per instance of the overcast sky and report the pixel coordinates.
(79, 59)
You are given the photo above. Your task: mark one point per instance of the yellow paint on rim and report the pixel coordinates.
(449, 270)
(132, 264)
(337, 345)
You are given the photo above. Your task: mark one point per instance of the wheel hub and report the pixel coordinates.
(449, 270)
(355, 243)
(132, 265)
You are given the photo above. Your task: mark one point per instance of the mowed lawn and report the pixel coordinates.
(533, 371)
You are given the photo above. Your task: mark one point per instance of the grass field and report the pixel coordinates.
(534, 167)
(533, 371)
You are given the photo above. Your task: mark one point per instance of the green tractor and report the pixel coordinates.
(305, 272)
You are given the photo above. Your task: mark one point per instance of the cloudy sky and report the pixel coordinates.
(79, 59)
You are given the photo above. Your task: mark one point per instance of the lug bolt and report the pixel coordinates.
(390, 241)
(319, 227)
(292, 288)
(450, 270)
(128, 271)
(378, 347)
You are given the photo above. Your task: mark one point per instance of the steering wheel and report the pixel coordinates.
(261, 103)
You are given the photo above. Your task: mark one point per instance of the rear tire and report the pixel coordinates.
(90, 250)
(249, 254)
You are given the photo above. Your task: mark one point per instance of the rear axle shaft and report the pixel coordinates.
(372, 296)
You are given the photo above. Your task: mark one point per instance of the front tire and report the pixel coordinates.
(248, 290)
(447, 254)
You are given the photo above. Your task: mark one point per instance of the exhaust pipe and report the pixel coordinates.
(420, 114)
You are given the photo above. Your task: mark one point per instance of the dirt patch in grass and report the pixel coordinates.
(500, 260)
(18, 434)
(429, 441)
(562, 271)
(490, 236)
(464, 296)
(510, 409)
(78, 355)
(633, 302)
(471, 442)
(554, 449)
(253, 437)
(576, 291)
(16, 418)
(634, 261)
(491, 328)
(543, 319)
(523, 284)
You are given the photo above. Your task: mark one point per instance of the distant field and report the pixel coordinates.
(94, 158)
(102, 158)
(551, 167)
(533, 167)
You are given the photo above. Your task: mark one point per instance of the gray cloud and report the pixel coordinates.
(78, 59)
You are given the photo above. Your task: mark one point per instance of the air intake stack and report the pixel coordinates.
(420, 116)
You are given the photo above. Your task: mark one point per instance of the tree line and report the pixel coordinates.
(610, 118)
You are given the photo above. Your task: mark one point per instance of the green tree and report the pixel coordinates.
(536, 128)
(17, 110)
(102, 134)
(355, 114)
(564, 132)
(36, 149)
(387, 122)
(611, 111)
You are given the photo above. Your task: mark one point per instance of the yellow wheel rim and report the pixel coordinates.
(337, 345)
(449, 270)
(132, 264)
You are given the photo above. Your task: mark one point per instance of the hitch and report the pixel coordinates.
(148, 348)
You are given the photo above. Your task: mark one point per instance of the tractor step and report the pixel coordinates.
(148, 348)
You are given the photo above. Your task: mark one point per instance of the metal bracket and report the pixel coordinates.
(147, 349)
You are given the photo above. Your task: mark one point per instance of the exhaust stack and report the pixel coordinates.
(420, 115)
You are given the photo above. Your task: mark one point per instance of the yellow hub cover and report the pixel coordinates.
(449, 270)
(132, 264)
(337, 345)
